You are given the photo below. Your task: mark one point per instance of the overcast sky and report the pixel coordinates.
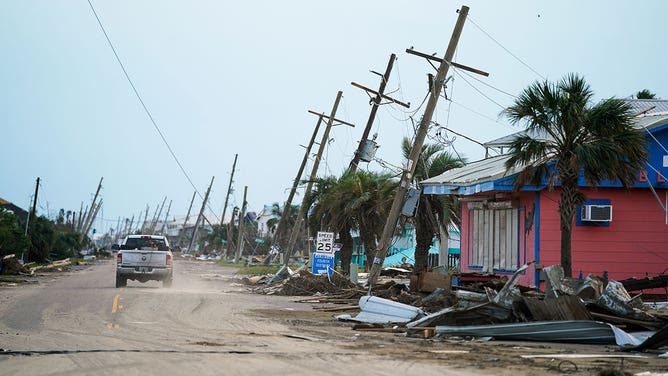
(222, 78)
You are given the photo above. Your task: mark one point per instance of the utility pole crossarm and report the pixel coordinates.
(335, 119)
(407, 105)
(439, 60)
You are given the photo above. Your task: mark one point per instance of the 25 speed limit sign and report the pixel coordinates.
(325, 242)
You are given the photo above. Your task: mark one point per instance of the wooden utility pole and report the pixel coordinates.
(240, 238)
(416, 150)
(89, 218)
(185, 222)
(229, 189)
(164, 223)
(199, 217)
(230, 231)
(132, 221)
(279, 236)
(31, 219)
(309, 184)
(143, 224)
(156, 216)
(82, 213)
(375, 103)
(94, 211)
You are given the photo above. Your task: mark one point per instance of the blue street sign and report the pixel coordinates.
(323, 263)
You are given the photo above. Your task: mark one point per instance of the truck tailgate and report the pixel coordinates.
(145, 258)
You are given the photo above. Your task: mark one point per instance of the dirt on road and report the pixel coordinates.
(208, 323)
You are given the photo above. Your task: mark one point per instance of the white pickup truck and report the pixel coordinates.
(144, 258)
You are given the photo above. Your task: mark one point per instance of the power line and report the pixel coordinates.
(478, 90)
(488, 85)
(148, 113)
(504, 48)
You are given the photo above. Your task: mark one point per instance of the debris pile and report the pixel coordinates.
(590, 310)
(11, 265)
(303, 283)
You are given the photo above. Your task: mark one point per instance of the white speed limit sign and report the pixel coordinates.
(325, 242)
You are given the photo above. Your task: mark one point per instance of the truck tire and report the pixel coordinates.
(121, 282)
(167, 282)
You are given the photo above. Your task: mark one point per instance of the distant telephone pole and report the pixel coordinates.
(240, 241)
(164, 223)
(309, 184)
(416, 150)
(185, 222)
(229, 189)
(89, 218)
(199, 217)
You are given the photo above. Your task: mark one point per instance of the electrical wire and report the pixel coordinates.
(486, 84)
(470, 19)
(479, 91)
(141, 101)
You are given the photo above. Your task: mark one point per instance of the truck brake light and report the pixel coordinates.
(169, 259)
(119, 259)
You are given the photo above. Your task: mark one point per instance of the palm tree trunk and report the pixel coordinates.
(568, 200)
(346, 250)
(423, 239)
(369, 241)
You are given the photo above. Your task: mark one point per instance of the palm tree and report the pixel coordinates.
(434, 212)
(574, 137)
(357, 201)
(645, 94)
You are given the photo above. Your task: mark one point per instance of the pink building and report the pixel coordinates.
(618, 232)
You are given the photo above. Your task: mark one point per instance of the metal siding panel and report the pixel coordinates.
(475, 240)
(488, 238)
(513, 252)
(498, 238)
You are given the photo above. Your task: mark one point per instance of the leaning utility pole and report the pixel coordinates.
(199, 217)
(229, 189)
(30, 220)
(230, 231)
(132, 221)
(89, 218)
(279, 236)
(143, 224)
(309, 185)
(375, 103)
(94, 210)
(164, 223)
(185, 222)
(240, 241)
(416, 150)
(156, 216)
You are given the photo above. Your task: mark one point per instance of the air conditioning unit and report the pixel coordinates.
(597, 213)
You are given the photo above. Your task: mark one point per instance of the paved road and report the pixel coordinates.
(78, 323)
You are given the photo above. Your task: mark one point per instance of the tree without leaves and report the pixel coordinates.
(597, 141)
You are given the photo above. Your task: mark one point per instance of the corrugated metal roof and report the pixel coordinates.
(651, 106)
(570, 331)
(474, 172)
